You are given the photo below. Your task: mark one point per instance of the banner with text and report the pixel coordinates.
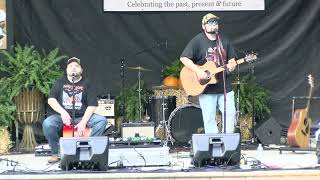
(183, 5)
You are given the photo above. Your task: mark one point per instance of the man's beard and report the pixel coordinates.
(214, 31)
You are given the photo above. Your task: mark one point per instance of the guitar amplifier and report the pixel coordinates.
(137, 129)
(105, 107)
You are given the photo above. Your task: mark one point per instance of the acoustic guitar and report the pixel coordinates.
(67, 132)
(195, 86)
(299, 129)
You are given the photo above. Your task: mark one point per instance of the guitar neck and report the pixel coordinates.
(308, 102)
(220, 69)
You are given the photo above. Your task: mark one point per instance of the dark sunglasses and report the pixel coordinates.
(212, 22)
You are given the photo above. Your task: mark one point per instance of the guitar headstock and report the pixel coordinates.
(310, 80)
(250, 57)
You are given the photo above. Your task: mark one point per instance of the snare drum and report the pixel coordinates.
(185, 121)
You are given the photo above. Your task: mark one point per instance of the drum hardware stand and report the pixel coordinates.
(122, 68)
(163, 126)
(139, 92)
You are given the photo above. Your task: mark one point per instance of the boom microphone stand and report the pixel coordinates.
(123, 64)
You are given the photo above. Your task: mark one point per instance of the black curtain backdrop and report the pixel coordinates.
(285, 35)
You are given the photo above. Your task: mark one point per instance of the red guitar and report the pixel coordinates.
(67, 132)
(195, 86)
(299, 130)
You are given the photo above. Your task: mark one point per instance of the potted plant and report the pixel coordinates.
(28, 76)
(253, 99)
(129, 99)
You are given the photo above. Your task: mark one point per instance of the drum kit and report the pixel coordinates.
(172, 124)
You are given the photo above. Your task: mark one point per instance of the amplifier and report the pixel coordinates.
(105, 107)
(137, 129)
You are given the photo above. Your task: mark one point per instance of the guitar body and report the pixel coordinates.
(299, 130)
(190, 81)
(67, 132)
(194, 86)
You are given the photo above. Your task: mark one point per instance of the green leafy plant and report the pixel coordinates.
(129, 98)
(250, 90)
(174, 69)
(7, 110)
(25, 67)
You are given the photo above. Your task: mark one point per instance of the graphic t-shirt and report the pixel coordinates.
(64, 91)
(200, 49)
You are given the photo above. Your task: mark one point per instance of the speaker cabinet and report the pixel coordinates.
(216, 149)
(84, 152)
(269, 132)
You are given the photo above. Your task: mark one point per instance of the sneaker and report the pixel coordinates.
(54, 158)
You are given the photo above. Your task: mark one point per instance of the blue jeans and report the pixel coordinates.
(208, 104)
(53, 124)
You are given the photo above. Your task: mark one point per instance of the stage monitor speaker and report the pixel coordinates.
(216, 149)
(269, 132)
(84, 153)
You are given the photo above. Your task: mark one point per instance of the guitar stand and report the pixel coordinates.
(294, 149)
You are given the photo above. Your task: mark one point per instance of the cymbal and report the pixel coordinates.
(162, 87)
(139, 68)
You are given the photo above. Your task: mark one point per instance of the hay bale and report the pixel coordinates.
(6, 143)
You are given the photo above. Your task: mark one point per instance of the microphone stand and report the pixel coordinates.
(253, 140)
(237, 130)
(224, 84)
(73, 105)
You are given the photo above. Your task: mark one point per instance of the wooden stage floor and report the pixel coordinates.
(274, 165)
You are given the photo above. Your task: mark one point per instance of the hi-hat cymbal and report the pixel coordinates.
(139, 68)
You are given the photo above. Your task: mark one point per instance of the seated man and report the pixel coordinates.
(62, 104)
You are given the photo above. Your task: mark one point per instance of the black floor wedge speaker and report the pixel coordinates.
(216, 149)
(269, 132)
(84, 153)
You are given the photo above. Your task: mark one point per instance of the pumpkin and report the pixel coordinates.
(171, 81)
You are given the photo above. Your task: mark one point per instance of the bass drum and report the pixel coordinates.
(185, 121)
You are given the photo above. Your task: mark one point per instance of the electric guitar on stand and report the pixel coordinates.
(195, 86)
(299, 129)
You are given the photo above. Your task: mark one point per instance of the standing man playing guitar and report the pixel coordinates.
(210, 46)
